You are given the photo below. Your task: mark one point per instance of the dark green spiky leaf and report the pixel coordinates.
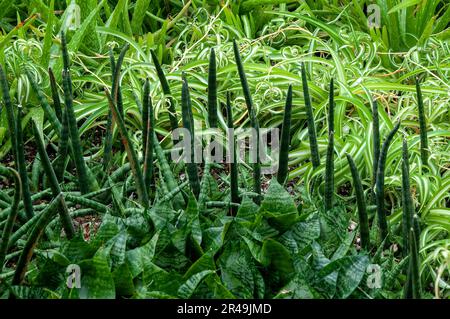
(301, 235)
(141, 256)
(97, 281)
(188, 287)
(351, 270)
(123, 280)
(278, 260)
(235, 270)
(279, 207)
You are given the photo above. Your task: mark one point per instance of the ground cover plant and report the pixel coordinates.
(93, 204)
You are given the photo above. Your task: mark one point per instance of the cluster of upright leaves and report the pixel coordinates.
(410, 221)
(266, 251)
(185, 243)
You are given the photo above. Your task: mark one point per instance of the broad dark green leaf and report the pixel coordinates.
(279, 207)
(301, 235)
(351, 270)
(187, 289)
(96, 279)
(123, 280)
(139, 257)
(235, 269)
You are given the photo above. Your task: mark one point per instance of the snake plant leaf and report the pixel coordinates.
(278, 206)
(327, 283)
(163, 284)
(205, 262)
(315, 159)
(188, 124)
(247, 211)
(187, 289)
(236, 265)
(166, 89)
(118, 249)
(424, 152)
(123, 281)
(49, 112)
(192, 214)
(278, 260)
(351, 270)
(381, 214)
(138, 258)
(8, 228)
(9, 110)
(22, 168)
(97, 281)
(376, 139)
(188, 225)
(77, 249)
(408, 206)
(285, 139)
(212, 91)
(361, 203)
(214, 237)
(54, 185)
(234, 183)
(35, 235)
(301, 235)
(131, 153)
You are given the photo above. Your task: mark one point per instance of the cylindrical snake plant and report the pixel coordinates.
(166, 90)
(55, 95)
(108, 140)
(63, 147)
(27, 252)
(145, 97)
(361, 203)
(212, 91)
(408, 207)
(329, 163)
(376, 140)
(22, 167)
(423, 126)
(381, 214)
(253, 121)
(14, 209)
(131, 154)
(188, 122)
(49, 112)
(212, 122)
(86, 181)
(148, 141)
(283, 160)
(413, 287)
(54, 184)
(315, 159)
(234, 183)
(9, 112)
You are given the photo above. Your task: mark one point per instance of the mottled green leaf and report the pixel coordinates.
(139, 257)
(96, 279)
(123, 280)
(301, 235)
(188, 288)
(279, 207)
(351, 270)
